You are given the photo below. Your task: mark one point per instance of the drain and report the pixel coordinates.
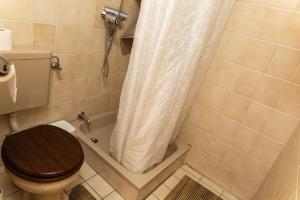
(95, 140)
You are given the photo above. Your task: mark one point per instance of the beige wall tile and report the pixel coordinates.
(83, 41)
(285, 63)
(44, 37)
(195, 136)
(245, 188)
(65, 39)
(204, 117)
(92, 105)
(248, 82)
(234, 159)
(115, 99)
(258, 116)
(68, 16)
(82, 63)
(94, 85)
(281, 182)
(269, 91)
(44, 11)
(217, 149)
(266, 149)
(281, 127)
(296, 78)
(226, 177)
(1, 10)
(245, 138)
(243, 21)
(22, 34)
(236, 107)
(195, 159)
(254, 169)
(209, 168)
(291, 101)
(223, 74)
(87, 12)
(213, 97)
(225, 129)
(234, 47)
(63, 91)
(281, 27)
(17, 10)
(79, 89)
(290, 4)
(105, 101)
(260, 55)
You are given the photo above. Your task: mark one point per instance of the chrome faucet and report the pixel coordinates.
(86, 120)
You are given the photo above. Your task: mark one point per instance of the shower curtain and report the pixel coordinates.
(174, 43)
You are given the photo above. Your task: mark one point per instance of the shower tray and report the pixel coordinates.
(130, 185)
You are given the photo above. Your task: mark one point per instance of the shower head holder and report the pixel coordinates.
(113, 16)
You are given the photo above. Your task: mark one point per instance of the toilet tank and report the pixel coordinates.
(33, 70)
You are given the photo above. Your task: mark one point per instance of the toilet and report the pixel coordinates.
(42, 161)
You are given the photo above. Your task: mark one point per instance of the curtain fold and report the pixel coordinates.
(174, 43)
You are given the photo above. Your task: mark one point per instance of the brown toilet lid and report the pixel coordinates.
(42, 154)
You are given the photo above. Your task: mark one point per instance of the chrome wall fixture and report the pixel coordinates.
(55, 63)
(4, 69)
(113, 15)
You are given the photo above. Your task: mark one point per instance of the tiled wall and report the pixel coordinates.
(282, 180)
(73, 30)
(249, 105)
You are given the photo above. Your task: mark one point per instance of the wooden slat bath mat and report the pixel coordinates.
(81, 193)
(188, 189)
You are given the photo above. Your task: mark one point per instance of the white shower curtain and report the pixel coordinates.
(174, 43)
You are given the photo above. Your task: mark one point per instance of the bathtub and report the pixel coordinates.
(131, 186)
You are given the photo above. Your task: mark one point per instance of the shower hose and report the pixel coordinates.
(110, 29)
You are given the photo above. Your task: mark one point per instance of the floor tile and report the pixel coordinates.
(114, 196)
(14, 196)
(180, 173)
(2, 170)
(93, 192)
(65, 196)
(7, 185)
(228, 196)
(192, 171)
(171, 182)
(151, 197)
(86, 171)
(100, 186)
(211, 186)
(78, 181)
(162, 192)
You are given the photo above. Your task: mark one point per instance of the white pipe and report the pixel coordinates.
(13, 122)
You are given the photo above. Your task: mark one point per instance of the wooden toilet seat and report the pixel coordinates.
(42, 154)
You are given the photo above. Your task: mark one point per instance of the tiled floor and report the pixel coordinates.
(101, 190)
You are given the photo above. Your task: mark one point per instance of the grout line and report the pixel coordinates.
(251, 99)
(265, 5)
(261, 40)
(239, 123)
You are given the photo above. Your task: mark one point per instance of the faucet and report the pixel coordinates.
(86, 120)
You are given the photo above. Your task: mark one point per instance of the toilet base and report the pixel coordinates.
(30, 196)
(42, 191)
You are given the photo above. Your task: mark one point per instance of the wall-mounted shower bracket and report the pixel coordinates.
(55, 63)
(4, 69)
(113, 15)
